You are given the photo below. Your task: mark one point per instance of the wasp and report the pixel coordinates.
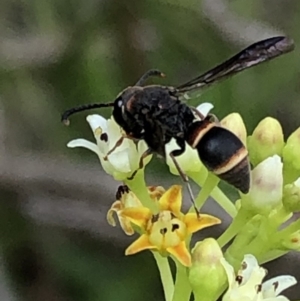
(157, 113)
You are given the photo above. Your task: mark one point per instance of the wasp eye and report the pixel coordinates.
(120, 103)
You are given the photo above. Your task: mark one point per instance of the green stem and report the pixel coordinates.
(260, 237)
(201, 179)
(138, 186)
(281, 216)
(268, 237)
(209, 184)
(271, 255)
(203, 296)
(241, 241)
(261, 242)
(183, 289)
(165, 275)
(293, 227)
(219, 196)
(242, 217)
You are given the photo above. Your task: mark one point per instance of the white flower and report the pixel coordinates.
(124, 160)
(266, 186)
(247, 284)
(204, 108)
(189, 161)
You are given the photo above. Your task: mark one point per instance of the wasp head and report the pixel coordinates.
(126, 113)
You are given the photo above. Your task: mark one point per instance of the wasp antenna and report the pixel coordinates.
(66, 122)
(65, 116)
(149, 73)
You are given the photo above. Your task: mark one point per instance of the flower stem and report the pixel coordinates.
(271, 255)
(183, 289)
(262, 242)
(219, 196)
(138, 186)
(201, 179)
(209, 184)
(242, 217)
(293, 227)
(165, 275)
(268, 237)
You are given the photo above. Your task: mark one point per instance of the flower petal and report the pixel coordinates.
(84, 143)
(115, 207)
(266, 188)
(120, 161)
(141, 244)
(124, 223)
(171, 200)
(96, 121)
(195, 223)
(234, 123)
(141, 148)
(129, 199)
(181, 253)
(205, 108)
(251, 273)
(126, 226)
(156, 192)
(166, 231)
(109, 169)
(276, 285)
(138, 216)
(279, 298)
(229, 272)
(188, 161)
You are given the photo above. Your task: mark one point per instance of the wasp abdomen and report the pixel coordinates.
(221, 152)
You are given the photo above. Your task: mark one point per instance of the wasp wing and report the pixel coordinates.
(255, 54)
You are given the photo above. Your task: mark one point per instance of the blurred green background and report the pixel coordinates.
(55, 54)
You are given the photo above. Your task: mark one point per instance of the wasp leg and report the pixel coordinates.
(149, 73)
(147, 153)
(118, 143)
(176, 153)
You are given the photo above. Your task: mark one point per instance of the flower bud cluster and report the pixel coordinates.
(274, 194)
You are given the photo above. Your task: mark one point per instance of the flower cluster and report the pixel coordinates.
(273, 198)
(247, 284)
(257, 234)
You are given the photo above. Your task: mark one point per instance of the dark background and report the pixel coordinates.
(55, 243)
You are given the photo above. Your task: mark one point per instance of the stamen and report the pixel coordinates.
(174, 227)
(258, 288)
(121, 190)
(163, 231)
(275, 284)
(104, 137)
(239, 279)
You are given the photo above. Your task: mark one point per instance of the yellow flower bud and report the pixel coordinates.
(267, 140)
(207, 275)
(234, 123)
